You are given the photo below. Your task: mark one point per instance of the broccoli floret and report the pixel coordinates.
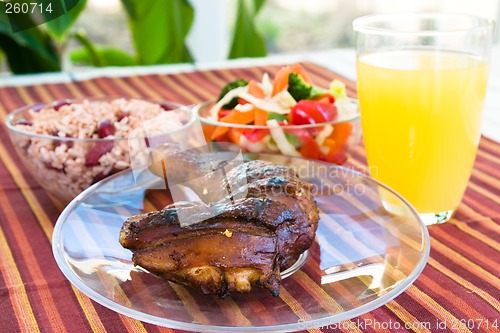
(300, 89)
(230, 86)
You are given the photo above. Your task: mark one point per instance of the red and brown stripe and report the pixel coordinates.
(40, 299)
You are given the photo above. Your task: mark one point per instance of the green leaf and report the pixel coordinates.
(91, 56)
(247, 41)
(159, 29)
(23, 60)
(59, 27)
(27, 51)
(258, 5)
(129, 8)
(107, 57)
(99, 56)
(70, 4)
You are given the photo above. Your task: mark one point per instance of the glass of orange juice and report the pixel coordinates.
(421, 80)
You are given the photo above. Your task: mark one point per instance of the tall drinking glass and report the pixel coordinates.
(421, 80)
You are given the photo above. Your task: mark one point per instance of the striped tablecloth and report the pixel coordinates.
(458, 291)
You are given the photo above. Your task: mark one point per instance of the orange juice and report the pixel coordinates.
(421, 115)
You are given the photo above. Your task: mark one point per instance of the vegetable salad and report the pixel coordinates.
(288, 115)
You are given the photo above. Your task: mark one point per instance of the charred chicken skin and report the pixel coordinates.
(247, 244)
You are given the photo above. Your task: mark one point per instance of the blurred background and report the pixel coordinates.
(102, 33)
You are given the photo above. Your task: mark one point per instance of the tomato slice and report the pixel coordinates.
(312, 112)
(242, 101)
(309, 147)
(256, 135)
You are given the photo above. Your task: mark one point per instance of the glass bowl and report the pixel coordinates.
(329, 141)
(69, 145)
(362, 258)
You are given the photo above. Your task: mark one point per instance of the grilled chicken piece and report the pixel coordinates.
(247, 244)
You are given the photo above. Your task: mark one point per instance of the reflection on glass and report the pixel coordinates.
(362, 258)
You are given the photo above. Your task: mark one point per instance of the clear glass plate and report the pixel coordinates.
(362, 258)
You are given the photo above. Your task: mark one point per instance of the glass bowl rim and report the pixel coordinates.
(363, 24)
(208, 121)
(11, 116)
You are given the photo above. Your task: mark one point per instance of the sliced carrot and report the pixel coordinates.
(255, 89)
(223, 138)
(235, 134)
(299, 69)
(235, 117)
(260, 117)
(338, 140)
(219, 131)
(327, 99)
(208, 130)
(280, 82)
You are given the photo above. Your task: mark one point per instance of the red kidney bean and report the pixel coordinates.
(166, 106)
(58, 142)
(121, 114)
(99, 149)
(105, 128)
(60, 104)
(68, 143)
